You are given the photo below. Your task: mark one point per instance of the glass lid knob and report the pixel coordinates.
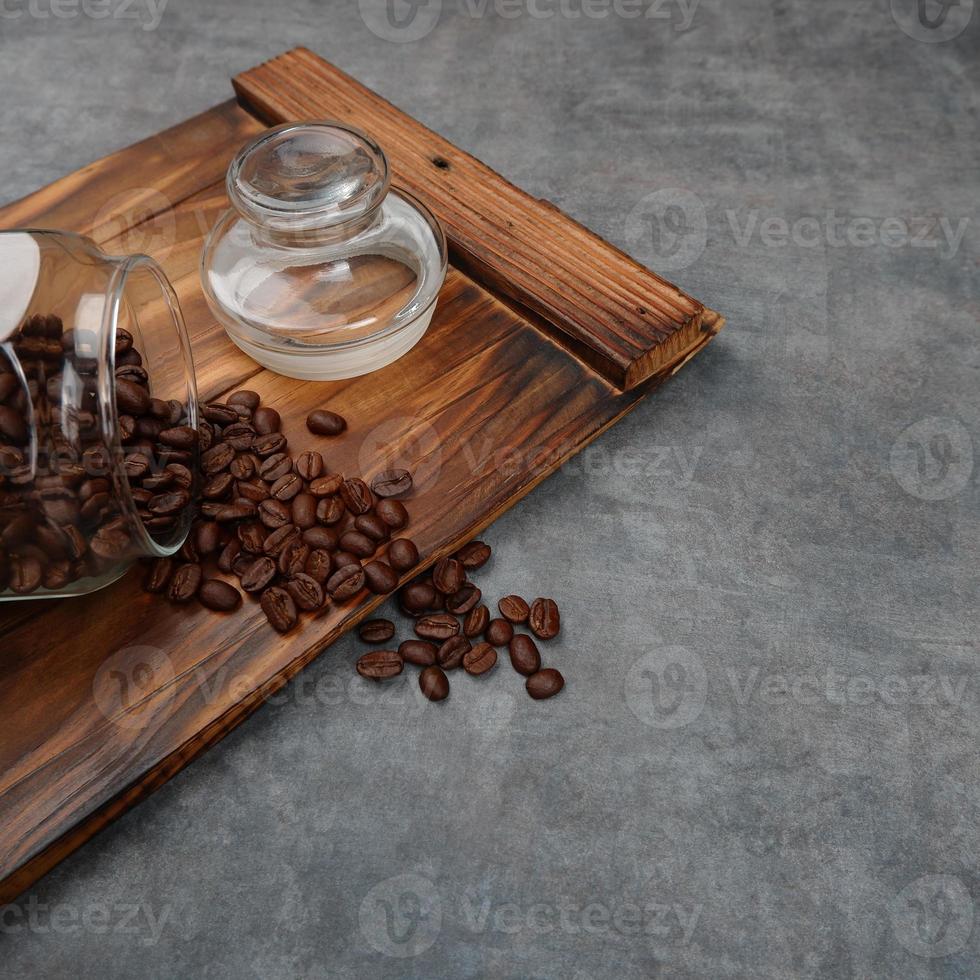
(303, 176)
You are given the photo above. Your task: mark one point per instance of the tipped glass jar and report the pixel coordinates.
(320, 270)
(98, 415)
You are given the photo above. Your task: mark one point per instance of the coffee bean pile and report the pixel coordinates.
(63, 521)
(454, 628)
(294, 534)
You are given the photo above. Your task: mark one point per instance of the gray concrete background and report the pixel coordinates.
(765, 761)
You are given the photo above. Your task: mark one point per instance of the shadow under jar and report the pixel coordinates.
(98, 415)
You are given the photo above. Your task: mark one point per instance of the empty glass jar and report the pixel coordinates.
(320, 270)
(98, 415)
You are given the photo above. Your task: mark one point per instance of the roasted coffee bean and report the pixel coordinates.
(268, 445)
(306, 592)
(57, 574)
(421, 653)
(460, 603)
(158, 577)
(379, 665)
(205, 435)
(403, 554)
(217, 458)
(207, 537)
(544, 684)
(252, 537)
(356, 496)
(249, 399)
(136, 465)
(303, 510)
(341, 558)
(376, 630)
(219, 595)
(220, 414)
(476, 621)
(346, 582)
(514, 608)
(434, 684)
(254, 490)
(480, 659)
(286, 487)
(240, 436)
(158, 481)
(218, 487)
(237, 510)
(91, 487)
(321, 537)
(309, 464)
(228, 555)
(524, 656)
(181, 476)
(278, 539)
(275, 466)
(185, 583)
(292, 558)
(131, 398)
(326, 486)
(241, 562)
(330, 510)
(357, 544)
(499, 632)
(180, 437)
(324, 423)
(167, 503)
(392, 513)
(380, 577)
(417, 597)
(26, 574)
(279, 609)
(392, 483)
(544, 619)
(473, 555)
(448, 576)
(258, 575)
(372, 526)
(452, 651)
(436, 626)
(266, 420)
(188, 550)
(274, 513)
(319, 565)
(242, 467)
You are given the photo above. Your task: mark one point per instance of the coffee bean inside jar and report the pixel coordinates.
(98, 428)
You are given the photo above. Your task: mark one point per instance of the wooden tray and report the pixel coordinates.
(544, 336)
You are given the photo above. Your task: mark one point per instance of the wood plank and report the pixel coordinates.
(484, 408)
(616, 315)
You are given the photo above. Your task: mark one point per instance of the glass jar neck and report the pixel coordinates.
(314, 236)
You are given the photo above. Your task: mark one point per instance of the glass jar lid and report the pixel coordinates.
(308, 175)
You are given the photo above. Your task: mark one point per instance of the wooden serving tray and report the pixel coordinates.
(544, 336)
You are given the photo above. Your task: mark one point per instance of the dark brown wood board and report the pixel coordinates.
(543, 337)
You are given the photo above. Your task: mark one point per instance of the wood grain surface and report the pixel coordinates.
(592, 298)
(484, 408)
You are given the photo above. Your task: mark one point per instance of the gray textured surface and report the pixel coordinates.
(731, 817)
